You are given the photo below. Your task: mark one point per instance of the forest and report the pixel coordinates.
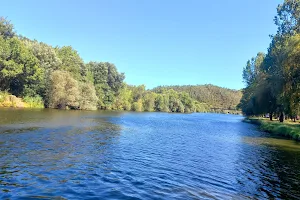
(57, 77)
(273, 79)
(218, 98)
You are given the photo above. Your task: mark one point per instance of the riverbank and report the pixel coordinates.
(8, 100)
(286, 129)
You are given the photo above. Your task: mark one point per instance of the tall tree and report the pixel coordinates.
(288, 17)
(6, 28)
(71, 61)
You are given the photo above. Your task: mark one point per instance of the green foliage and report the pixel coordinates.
(216, 97)
(88, 97)
(71, 62)
(64, 91)
(201, 107)
(162, 103)
(124, 99)
(288, 18)
(287, 130)
(19, 69)
(108, 83)
(291, 73)
(149, 101)
(3, 96)
(34, 102)
(6, 28)
(273, 83)
(138, 106)
(48, 59)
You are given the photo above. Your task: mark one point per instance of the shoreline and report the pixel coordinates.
(112, 110)
(287, 130)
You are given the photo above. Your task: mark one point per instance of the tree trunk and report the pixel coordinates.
(281, 117)
(271, 116)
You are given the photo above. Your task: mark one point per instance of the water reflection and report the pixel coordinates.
(270, 170)
(276, 143)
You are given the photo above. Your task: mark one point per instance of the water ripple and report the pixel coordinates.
(102, 155)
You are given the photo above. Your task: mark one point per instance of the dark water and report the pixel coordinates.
(50, 154)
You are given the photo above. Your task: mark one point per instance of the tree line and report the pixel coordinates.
(218, 98)
(273, 79)
(58, 78)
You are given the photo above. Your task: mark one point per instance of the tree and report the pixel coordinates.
(288, 17)
(214, 96)
(88, 97)
(175, 105)
(187, 102)
(137, 91)
(138, 105)
(257, 96)
(162, 103)
(276, 87)
(149, 101)
(124, 99)
(291, 72)
(19, 68)
(71, 62)
(47, 56)
(48, 62)
(108, 82)
(253, 68)
(6, 28)
(64, 91)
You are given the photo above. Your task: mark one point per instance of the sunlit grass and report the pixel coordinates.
(287, 129)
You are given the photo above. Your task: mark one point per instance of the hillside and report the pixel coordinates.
(216, 97)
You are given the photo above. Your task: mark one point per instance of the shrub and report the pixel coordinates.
(34, 102)
(3, 96)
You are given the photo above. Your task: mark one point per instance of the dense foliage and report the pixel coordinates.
(273, 79)
(58, 78)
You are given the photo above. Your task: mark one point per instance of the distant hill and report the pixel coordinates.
(216, 97)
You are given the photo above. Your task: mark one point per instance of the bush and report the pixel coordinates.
(34, 102)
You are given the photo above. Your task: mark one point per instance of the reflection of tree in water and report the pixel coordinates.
(268, 172)
(284, 165)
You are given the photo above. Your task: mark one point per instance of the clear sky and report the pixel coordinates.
(155, 42)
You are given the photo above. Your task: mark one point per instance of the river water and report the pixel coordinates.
(52, 154)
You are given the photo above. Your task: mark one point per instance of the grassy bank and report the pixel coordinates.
(286, 129)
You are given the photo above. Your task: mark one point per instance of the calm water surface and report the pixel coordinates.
(51, 154)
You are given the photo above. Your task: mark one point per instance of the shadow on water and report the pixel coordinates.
(274, 142)
(271, 166)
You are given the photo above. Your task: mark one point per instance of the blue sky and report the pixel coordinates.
(155, 42)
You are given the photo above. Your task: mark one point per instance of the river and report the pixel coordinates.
(53, 154)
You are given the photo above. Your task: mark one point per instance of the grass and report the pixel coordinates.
(286, 129)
